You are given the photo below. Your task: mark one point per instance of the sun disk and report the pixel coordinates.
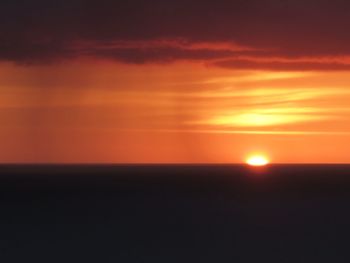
(257, 160)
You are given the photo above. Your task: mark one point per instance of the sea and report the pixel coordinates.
(175, 213)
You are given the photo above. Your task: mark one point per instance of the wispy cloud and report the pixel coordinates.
(271, 107)
(264, 117)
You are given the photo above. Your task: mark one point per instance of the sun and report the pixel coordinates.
(257, 160)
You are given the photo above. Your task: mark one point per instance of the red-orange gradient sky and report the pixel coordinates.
(184, 82)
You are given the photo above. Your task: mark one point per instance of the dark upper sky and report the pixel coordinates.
(40, 31)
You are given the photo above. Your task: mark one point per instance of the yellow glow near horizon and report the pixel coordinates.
(257, 160)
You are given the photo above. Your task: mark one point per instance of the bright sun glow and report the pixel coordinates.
(257, 160)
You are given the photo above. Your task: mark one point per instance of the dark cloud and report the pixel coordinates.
(283, 65)
(40, 31)
(158, 55)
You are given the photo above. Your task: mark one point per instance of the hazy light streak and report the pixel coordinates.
(318, 59)
(252, 132)
(251, 76)
(261, 119)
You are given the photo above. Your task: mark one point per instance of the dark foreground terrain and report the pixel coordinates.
(283, 213)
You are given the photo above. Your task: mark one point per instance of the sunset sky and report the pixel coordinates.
(141, 81)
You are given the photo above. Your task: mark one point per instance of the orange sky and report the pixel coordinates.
(181, 81)
(185, 111)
